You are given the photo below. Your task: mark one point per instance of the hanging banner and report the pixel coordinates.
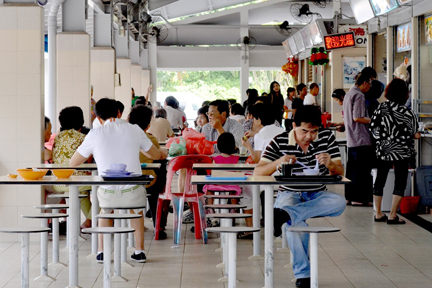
(403, 38)
(360, 33)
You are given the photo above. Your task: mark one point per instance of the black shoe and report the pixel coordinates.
(192, 229)
(140, 258)
(303, 282)
(280, 217)
(62, 228)
(162, 235)
(99, 258)
(245, 235)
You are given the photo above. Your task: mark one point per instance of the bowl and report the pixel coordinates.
(118, 167)
(311, 172)
(29, 174)
(62, 173)
(12, 176)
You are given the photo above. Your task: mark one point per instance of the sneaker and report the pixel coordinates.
(215, 223)
(99, 258)
(244, 235)
(140, 258)
(209, 223)
(188, 217)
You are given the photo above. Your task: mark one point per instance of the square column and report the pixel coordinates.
(102, 69)
(123, 92)
(21, 107)
(73, 72)
(145, 81)
(136, 80)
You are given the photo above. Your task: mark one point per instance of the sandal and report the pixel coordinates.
(382, 219)
(395, 221)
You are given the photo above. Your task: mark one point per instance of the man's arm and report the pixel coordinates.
(77, 159)
(362, 120)
(265, 168)
(153, 153)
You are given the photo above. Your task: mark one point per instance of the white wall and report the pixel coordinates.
(102, 68)
(123, 92)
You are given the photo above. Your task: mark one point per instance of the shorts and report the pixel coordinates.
(127, 198)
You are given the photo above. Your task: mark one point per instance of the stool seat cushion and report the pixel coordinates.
(225, 206)
(24, 230)
(228, 215)
(314, 229)
(52, 206)
(108, 230)
(237, 229)
(118, 216)
(46, 215)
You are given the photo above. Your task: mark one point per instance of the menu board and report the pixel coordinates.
(315, 34)
(292, 46)
(305, 35)
(299, 42)
(403, 38)
(428, 30)
(381, 7)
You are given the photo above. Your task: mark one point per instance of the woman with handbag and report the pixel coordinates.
(394, 127)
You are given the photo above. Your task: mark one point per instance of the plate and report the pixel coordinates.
(225, 178)
(128, 177)
(117, 173)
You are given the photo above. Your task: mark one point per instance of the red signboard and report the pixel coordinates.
(342, 40)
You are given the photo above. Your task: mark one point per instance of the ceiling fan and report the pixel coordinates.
(246, 43)
(303, 14)
(284, 28)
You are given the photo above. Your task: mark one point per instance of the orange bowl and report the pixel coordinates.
(62, 173)
(29, 174)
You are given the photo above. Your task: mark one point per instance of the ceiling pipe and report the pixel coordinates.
(52, 65)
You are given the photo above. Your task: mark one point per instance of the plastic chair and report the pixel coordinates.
(190, 194)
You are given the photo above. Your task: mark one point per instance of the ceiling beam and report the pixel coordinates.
(155, 4)
(97, 6)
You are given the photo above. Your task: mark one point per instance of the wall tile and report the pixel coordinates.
(8, 153)
(29, 62)
(63, 102)
(81, 73)
(30, 196)
(8, 40)
(30, 18)
(81, 90)
(81, 42)
(8, 106)
(8, 83)
(64, 88)
(8, 196)
(9, 18)
(29, 151)
(108, 55)
(81, 57)
(64, 73)
(95, 55)
(9, 218)
(9, 60)
(8, 128)
(27, 129)
(64, 58)
(30, 40)
(32, 85)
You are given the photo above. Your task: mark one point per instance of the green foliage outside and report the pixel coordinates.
(211, 85)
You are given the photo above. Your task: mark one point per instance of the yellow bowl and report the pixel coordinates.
(62, 173)
(29, 174)
(12, 176)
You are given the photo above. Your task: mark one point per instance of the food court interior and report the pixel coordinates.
(53, 51)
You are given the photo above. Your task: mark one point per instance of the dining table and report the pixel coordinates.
(255, 198)
(74, 211)
(268, 182)
(95, 202)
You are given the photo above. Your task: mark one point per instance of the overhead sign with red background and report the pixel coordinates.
(342, 40)
(360, 33)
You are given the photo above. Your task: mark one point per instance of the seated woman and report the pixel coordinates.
(66, 142)
(160, 127)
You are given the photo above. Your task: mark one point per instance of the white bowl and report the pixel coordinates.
(118, 167)
(311, 172)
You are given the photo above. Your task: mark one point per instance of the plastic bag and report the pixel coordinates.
(177, 146)
(189, 133)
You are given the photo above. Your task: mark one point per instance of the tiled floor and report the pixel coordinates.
(363, 254)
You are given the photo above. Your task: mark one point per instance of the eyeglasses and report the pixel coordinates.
(210, 114)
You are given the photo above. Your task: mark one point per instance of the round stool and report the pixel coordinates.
(313, 245)
(25, 245)
(107, 231)
(118, 250)
(44, 244)
(232, 248)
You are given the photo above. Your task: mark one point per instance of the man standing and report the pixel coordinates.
(297, 203)
(219, 122)
(118, 142)
(360, 149)
(310, 98)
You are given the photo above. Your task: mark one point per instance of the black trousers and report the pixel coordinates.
(156, 189)
(359, 168)
(400, 173)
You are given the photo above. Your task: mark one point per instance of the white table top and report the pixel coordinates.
(232, 167)
(87, 166)
(257, 180)
(73, 180)
(314, 229)
(24, 230)
(46, 215)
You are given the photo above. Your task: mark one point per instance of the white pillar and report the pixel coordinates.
(244, 59)
(390, 53)
(415, 64)
(369, 50)
(102, 69)
(152, 59)
(123, 92)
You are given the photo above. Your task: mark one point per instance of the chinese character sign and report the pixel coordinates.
(339, 41)
(360, 33)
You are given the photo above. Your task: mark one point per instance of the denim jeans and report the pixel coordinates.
(302, 206)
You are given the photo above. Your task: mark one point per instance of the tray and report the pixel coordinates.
(225, 178)
(128, 177)
(307, 178)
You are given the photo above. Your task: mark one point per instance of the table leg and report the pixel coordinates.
(25, 249)
(55, 241)
(107, 260)
(232, 260)
(43, 277)
(95, 211)
(268, 237)
(74, 213)
(117, 255)
(313, 241)
(256, 223)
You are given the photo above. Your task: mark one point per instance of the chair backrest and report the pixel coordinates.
(184, 162)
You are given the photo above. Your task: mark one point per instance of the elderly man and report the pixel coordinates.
(219, 122)
(310, 98)
(297, 203)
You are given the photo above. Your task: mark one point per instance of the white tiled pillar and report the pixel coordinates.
(136, 79)
(21, 107)
(73, 72)
(102, 69)
(123, 92)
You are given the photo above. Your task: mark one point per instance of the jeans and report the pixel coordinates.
(301, 206)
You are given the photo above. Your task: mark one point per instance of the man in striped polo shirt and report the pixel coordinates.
(297, 203)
